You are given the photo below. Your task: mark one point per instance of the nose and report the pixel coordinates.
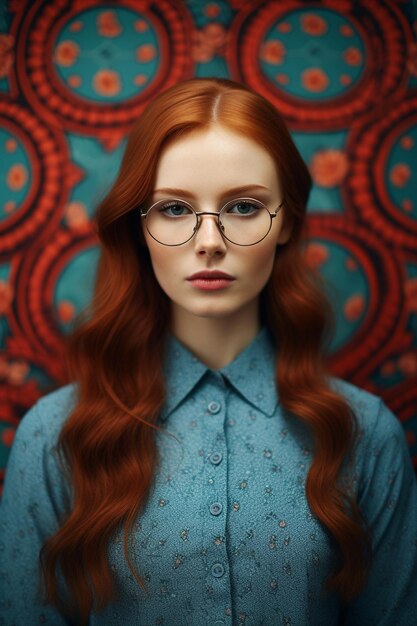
(208, 238)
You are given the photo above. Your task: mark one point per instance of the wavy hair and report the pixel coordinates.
(115, 354)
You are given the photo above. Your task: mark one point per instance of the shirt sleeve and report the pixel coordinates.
(34, 499)
(388, 499)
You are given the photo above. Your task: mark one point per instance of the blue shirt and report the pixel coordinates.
(227, 536)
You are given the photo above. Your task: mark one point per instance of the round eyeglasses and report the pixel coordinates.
(244, 221)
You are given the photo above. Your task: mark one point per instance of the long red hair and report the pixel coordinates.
(115, 356)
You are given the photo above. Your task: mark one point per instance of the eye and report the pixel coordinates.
(174, 209)
(243, 207)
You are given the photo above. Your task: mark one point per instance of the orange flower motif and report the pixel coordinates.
(346, 30)
(215, 35)
(74, 80)
(410, 290)
(7, 436)
(140, 79)
(273, 52)
(108, 25)
(76, 216)
(400, 175)
(329, 167)
(211, 10)
(314, 79)
(17, 176)
(66, 311)
(352, 56)
(313, 24)
(9, 206)
(66, 53)
(407, 142)
(145, 53)
(6, 54)
(407, 363)
(75, 27)
(282, 79)
(345, 79)
(202, 51)
(407, 205)
(18, 371)
(11, 145)
(140, 26)
(107, 82)
(351, 264)
(354, 307)
(316, 254)
(6, 296)
(284, 27)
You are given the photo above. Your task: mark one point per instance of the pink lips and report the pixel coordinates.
(210, 280)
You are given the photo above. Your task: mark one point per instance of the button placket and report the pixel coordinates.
(216, 474)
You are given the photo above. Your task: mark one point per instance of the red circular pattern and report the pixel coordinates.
(381, 330)
(53, 101)
(370, 145)
(47, 150)
(385, 71)
(35, 281)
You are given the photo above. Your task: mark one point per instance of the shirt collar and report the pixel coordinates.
(251, 373)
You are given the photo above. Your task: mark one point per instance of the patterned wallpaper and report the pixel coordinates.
(73, 77)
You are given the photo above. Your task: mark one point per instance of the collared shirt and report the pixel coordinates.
(227, 536)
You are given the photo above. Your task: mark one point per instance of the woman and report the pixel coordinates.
(203, 467)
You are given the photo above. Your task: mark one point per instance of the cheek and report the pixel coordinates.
(164, 265)
(261, 263)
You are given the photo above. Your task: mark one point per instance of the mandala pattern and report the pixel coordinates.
(322, 65)
(75, 75)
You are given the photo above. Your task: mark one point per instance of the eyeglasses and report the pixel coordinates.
(244, 221)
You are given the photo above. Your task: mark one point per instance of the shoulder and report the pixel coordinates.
(45, 418)
(374, 417)
(381, 447)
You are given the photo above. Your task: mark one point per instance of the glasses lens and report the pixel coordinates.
(245, 221)
(171, 222)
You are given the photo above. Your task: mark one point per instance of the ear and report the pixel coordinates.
(285, 231)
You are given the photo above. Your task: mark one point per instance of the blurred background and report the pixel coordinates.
(75, 75)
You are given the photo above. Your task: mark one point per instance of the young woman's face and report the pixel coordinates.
(209, 164)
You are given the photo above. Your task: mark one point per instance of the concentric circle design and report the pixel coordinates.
(294, 51)
(32, 172)
(15, 172)
(46, 306)
(360, 273)
(382, 179)
(319, 64)
(107, 55)
(96, 66)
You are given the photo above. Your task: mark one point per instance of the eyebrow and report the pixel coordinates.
(229, 192)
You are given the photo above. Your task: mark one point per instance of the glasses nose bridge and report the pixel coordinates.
(213, 214)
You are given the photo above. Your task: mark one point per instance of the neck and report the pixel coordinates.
(215, 341)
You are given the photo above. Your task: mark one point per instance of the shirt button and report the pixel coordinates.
(217, 570)
(218, 622)
(214, 407)
(216, 458)
(216, 508)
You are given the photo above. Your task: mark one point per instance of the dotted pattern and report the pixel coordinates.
(226, 535)
(73, 77)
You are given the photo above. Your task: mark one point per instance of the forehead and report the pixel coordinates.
(215, 156)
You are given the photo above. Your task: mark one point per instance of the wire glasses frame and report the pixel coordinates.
(218, 215)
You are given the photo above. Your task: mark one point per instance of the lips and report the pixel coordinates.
(210, 275)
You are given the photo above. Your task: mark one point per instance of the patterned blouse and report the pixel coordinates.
(227, 536)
